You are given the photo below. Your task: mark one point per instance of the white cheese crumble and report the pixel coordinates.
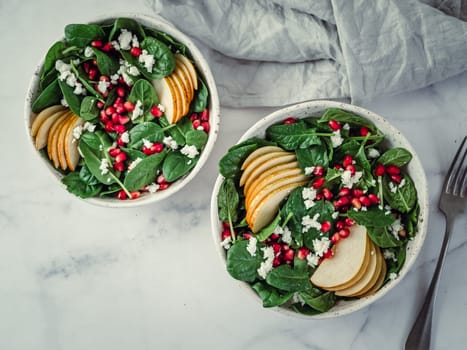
(134, 163)
(296, 298)
(153, 187)
(104, 167)
(393, 276)
(102, 86)
(161, 108)
(125, 137)
(134, 41)
(335, 215)
(346, 126)
(77, 131)
(348, 180)
(132, 70)
(285, 233)
(79, 89)
(266, 265)
(395, 227)
(312, 260)
(138, 111)
(88, 52)
(114, 78)
(373, 153)
(147, 143)
(402, 183)
(69, 77)
(392, 187)
(309, 170)
(124, 39)
(189, 151)
(251, 247)
(89, 127)
(126, 69)
(320, 246)
(64, 103)
(308, 222)
(170, 142)
(147, 60)
(336, 139)
(115, 44)
(308, 195)
(389, 255)
(226, 243)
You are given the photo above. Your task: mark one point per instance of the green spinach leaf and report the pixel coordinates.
(82, 185)
(128, 24)
(241, 265)
(82, 34)
(271, 296)
(293, 136)
(322, 302)
(164, 59)
(196, 138)
(382, 237)
(227, 201)
(88, 110)
(269, 229)
(144, 172)
(145, 131)
(312, 156)
(93, 159)
(404, 197)
(230, 164)
(200, 101)
(287, 279)
(347, 117)
(396, 156)
(176, 165)
(51, 95)
(73, 101)
(107, 65)
(55, 53)
(144, 92)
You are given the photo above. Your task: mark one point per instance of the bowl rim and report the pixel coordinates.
(200, 62)
(422, 196)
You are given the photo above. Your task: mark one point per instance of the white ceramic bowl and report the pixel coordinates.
(393, 138)
(163, 25)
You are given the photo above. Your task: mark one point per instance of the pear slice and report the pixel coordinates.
(368, 279)
(291, 167)
(259, 152)
(177, 99)
(52, 139)
(264, 162)
(43, 115)
(348, 264)
(166, 97)
(43, 131)
(191, 69)
(184, 104)
(182, 72)
(71, 145)
(62, 139)
(379, 281)
(269, 186)
(268, 207)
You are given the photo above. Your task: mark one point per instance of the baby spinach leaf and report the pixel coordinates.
(230, 164)
(51, 95)
(332, 176)
(145, 131)
(395, 156)
(269, 229)
(82, 34)
(346, 117)
(168, 40)
(304, 309)
(404, 197)
(285, 278)
(395, 266)
(373, 217)
(322, 302)
(176, 165)
(325, 209)
(133, 154)
(144, 172)
(92, 159)
(164, 59)
(54, 54)
(382, 237)
(270, 295)
(88, 110)
(227, 201)
(73, 101)
(107, 65)
(128, 24)
(78, 185)
(144, 92)
(312, 156)
(253, 141)
(200, 101)
(241, 265)
(176, 131)
(293, 136)
(99, 141)
(196, 138)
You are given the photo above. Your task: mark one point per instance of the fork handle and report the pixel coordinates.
(420, 335)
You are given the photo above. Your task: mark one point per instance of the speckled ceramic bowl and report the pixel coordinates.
(213, 103)
(393, 138)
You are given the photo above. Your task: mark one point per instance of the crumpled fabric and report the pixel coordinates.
(279, 52)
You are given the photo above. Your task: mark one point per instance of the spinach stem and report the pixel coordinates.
(117, 180)
(287, 219)
(70, 49)
(380, 190)
(86, 84)
(168, 127)
(232, 231)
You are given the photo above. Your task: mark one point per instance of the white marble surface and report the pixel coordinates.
(76, 276)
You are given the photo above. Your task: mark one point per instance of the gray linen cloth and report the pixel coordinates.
(271, 53)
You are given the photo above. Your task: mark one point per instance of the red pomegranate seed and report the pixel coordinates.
(349, 222)
(123, 119)
(274, 237)
(206, 127)
(380, 170)
(196, 123)
(318, 170)
(110, 110)
(373, 198)
(328, 254)
(86, 67)
(136, 51)
(246, 235)
(340, 225)
(334, 125)
(344, 191)
(318, 182)
(109, 126)
(226, 225)
(161, 179)
(289, 121)
(319, 196)
(225, 233)
(120, 142)
(104, 118)
(351, 168)
(164, 186)
(193, 116)
(146, 150)
(92, 74)
(113, 152)
(115, 118)
(344, 233)
(335, 238)
(104, 78)
(393, 170)
(356, 203)
(325, 226)
(96, 43)
(364, 131)
(121, 92)
(119, 128)
(157, 147)
(302, 253)
(135, 194)
(357, 192)
(129, 106)
(204, 115)
(100, 104)
(327, 194)
(396, 178)
(119, 166)
(347, 160)
(156, 112)
(365, 201)
(122, 195)
(276, 262)
(276, 247)
(107, 47)
(342, 201)
(285, 247)
(121, 157)
(289, 255)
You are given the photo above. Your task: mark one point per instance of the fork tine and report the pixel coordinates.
(459, 176)
(463, 190)
(454, 169)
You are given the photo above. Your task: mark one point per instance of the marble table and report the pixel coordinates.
(77, 276)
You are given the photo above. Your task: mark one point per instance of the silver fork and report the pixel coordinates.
(451, 203)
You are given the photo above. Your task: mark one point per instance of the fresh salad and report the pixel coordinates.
(318, 211)
(121, 110)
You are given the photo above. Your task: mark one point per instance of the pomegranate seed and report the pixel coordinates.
(115, 118)
(119, 128)
(276, 262)
(247, 235)
(104, 118)
(226, 233)
(396, 178)
(334, 125)
(357, 192)
(107, 47)
(356, 203)
(121, 157)
(365, 201)
(94, 62)
(327, 194)
(393, 170)
(319, 196)
(325, 226)
(364, 131)
(340, 225)
(344, 233)
(302, 253)
(100, 104)
(136, 51)
(344, 191)
(92, 74)
(349, 222)
(276, 247)
(113, 152)
(110, 110)
(344, 209)
(351, 168)
(204, 115)
(123, 119)
(289, 121)
(109, 126)
(289, 255)
(318, 171)
(135, 194)
(196, 123)
(328, 254)
(274, 237)
(285, 247)
(86, 67)
(373, 198)
(342, 201)
(335, 238)
(104, 78)
(161, 179)
(96, 43)
(157, 147)
(347, 160)
(146, 150)
(380, 170)
(164, 186)
(206, 126)
(318, 182)
(122, 195)
(193, 116)
(226, 225)
(121, 92)
(129, 106)
(119, 166)
(120, 142)
(156, 112)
